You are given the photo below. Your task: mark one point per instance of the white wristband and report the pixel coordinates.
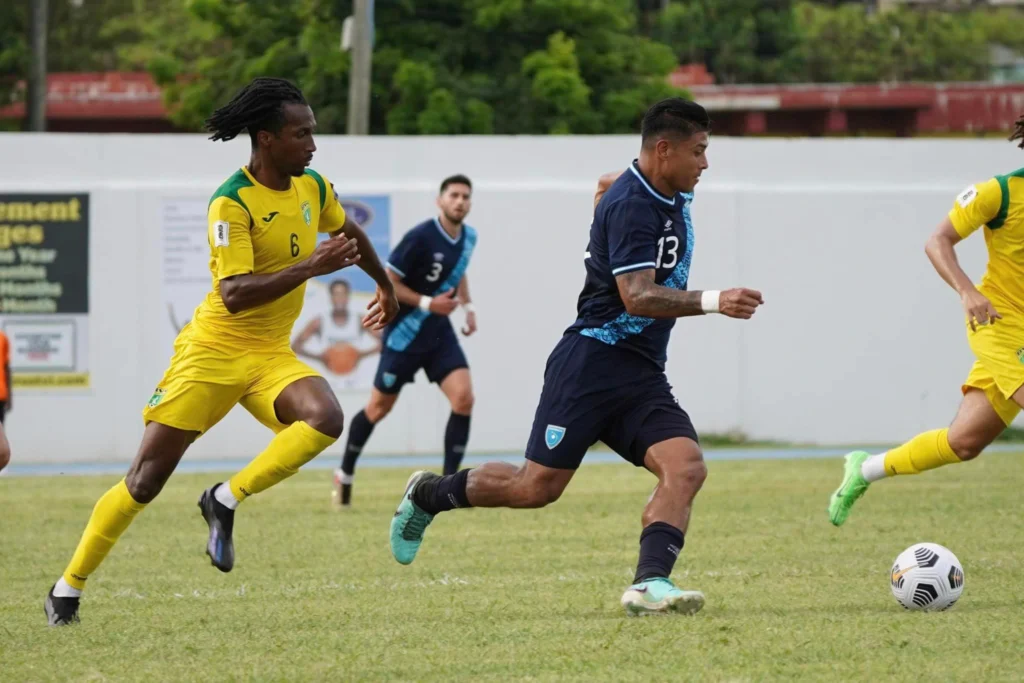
(709, 300)
(425, 303)
(470, 308)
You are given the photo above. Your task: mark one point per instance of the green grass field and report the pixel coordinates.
(532, 595)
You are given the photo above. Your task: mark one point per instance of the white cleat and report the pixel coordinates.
(660, 596)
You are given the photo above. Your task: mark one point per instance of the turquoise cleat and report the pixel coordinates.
(409, 522)
(853, 487)
(660, 596)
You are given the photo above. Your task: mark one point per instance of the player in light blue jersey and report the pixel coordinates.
(428, 268)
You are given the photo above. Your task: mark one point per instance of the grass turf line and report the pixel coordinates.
(506, 595)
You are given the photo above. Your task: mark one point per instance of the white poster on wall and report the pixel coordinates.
(328, 333)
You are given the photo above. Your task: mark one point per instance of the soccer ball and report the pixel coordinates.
(927, 577)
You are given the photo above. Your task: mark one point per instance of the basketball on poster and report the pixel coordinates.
(328, 334)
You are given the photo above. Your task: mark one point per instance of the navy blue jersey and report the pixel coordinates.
(429, 262)
(635, 228)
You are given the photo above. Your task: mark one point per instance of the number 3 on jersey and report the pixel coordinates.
(668, 247)
(435, 272)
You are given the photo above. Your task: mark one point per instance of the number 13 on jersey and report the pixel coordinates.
(668, 251)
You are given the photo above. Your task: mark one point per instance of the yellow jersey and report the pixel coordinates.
(998, 205)
(253, 229)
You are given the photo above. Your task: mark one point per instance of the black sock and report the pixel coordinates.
(455, 438)
(440, 494)
(660, 545)
(358, 433)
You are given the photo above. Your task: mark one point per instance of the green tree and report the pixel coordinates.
(846, 44)
(440, 66)
(741, 41)
(74, 40)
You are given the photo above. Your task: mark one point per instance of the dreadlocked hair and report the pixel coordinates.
(258, 106)
(1018, 132)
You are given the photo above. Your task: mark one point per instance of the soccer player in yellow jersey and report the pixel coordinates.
(993, 392)
(263, 225)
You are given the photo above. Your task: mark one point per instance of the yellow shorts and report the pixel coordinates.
(999, 369)
(207, 379)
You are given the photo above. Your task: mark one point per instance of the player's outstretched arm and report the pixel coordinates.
(941, 251)
(643, 297)
(384, 307)
(369, 260)
(242, 292)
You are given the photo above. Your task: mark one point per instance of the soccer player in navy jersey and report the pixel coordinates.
(605, 380)
(428, 269)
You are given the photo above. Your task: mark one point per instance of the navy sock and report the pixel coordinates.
(455, 438)
(358, 433)
(660, 545)
(440, 494)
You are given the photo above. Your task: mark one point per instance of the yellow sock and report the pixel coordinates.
(924, 452)
(114, 511)
(288, 451)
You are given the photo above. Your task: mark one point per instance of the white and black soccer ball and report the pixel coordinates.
(927, 577)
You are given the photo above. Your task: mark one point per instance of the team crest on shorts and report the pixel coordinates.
(1020, 355)
(389, 380)
(553, 436)
(307, 214)
(155, 399)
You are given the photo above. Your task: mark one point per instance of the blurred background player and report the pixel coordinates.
(344, 340)
(992, 393)
(428, 268)
(605, 380)
(263, 224)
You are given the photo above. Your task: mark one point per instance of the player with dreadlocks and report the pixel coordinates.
(263, 223)
(993, 392)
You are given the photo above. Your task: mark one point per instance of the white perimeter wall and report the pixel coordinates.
(859, 340)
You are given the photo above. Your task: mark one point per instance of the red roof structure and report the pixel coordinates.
(101, 102)
(896, 109)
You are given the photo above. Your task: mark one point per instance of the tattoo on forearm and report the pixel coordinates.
(657, 301)
(673, 302)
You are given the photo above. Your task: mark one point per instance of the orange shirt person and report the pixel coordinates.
(5, 397)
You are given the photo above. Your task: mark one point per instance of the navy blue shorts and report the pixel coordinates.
(398, 368)
(596, 392)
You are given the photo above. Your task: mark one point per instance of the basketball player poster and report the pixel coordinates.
(328, 335)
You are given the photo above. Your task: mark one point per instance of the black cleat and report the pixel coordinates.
(221, 520)
(60, 611)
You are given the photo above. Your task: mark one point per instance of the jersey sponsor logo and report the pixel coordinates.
(967, 196)
(307, 213)
(553, 436)
(155, 399)
(221, 230)
(270, 216)
(438, 256)
(668, 225)
(389, 379)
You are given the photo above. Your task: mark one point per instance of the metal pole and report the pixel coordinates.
(36, 100)
(362, 67)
